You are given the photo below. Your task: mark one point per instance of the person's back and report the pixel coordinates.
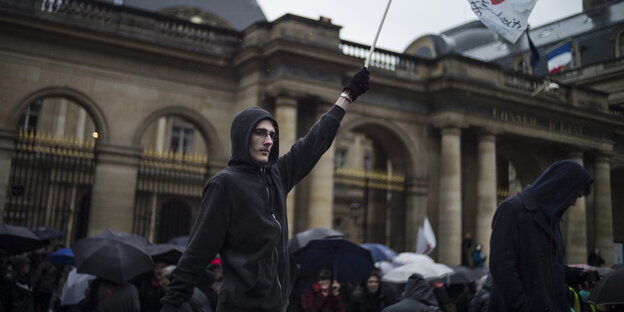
(112, 297)
(417, 297)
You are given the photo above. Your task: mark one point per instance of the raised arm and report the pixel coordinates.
(306, 151)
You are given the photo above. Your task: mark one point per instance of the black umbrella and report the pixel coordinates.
(460, 275)
(301, 239)
(609, 289)
(45, 232)
(112, 256)
(348, 261)
(167, 253)
(18, 239)
(180, 241)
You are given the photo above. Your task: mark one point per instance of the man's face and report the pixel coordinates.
(261, 141)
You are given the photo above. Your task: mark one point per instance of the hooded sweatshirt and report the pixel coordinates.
(416, 297)
(562, 183)
(243, 218)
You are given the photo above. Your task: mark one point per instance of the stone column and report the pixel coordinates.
(286, 115)
(112, 200)
(450, 209)
(7, 149)
(602, 204)
(321, 206)
(576, 234)
(486, 189)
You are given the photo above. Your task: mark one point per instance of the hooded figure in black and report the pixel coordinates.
(243, 211)
(526, 247)
(417, 297)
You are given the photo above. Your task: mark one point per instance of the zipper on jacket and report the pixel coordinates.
(279, 225)
(279, 284)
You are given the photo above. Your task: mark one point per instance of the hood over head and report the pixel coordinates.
(242, 126)
(417, 288)
(560, 184)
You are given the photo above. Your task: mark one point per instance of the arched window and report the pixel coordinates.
(58, 116)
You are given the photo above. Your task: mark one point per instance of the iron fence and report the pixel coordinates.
(169, 189)
(50, 183)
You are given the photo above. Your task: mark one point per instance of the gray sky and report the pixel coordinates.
(407, 20)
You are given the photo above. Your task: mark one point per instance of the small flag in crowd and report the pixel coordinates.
(559, 58)
(426, 240)
(508, 18)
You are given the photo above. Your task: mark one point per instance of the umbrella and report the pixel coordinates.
(301, 239)
(460, 275)
(410, 257)
(74, 288)
(428, 270)
(380, 252)
(18, 239)
(180, 241)
(167, 253)
(609, 289)
(46, 233)
(63, 256)
(349, 261)
(113, 256)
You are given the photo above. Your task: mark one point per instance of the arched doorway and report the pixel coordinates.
(53, 168)
(369, 196)
(172, 173)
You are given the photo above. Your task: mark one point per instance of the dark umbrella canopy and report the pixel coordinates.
(348, 261)
(460, 275)
(180, 241)
(301, 239)
(112, 256)
(18, 239)
(46, 233)
(609, 289)
(167, 253)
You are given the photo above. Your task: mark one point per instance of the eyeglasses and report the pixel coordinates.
(262, 134)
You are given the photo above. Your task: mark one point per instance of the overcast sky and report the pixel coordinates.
(407, 20)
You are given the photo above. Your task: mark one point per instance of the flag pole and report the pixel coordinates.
(370, 52)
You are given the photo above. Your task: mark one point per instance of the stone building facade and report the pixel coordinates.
(114, 116)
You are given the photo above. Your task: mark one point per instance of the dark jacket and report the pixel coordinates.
(417, 297)
(105, 296)
(363, 301)
(481, 300)
(526, 247)
(21, 294)
(243, 217)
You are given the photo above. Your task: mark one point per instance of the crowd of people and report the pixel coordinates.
(31, 283)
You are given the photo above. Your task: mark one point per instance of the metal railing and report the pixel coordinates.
(381, 58)
(50, 183)
(129, 23)
(169, 190)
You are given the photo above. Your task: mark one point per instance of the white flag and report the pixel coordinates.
(426, 240)
(508, 18)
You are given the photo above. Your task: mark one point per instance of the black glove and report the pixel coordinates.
(358, 84)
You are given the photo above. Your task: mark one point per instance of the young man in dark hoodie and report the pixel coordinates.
(526, 247)
(243, 210)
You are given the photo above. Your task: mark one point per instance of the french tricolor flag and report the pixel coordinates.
(559, 58)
